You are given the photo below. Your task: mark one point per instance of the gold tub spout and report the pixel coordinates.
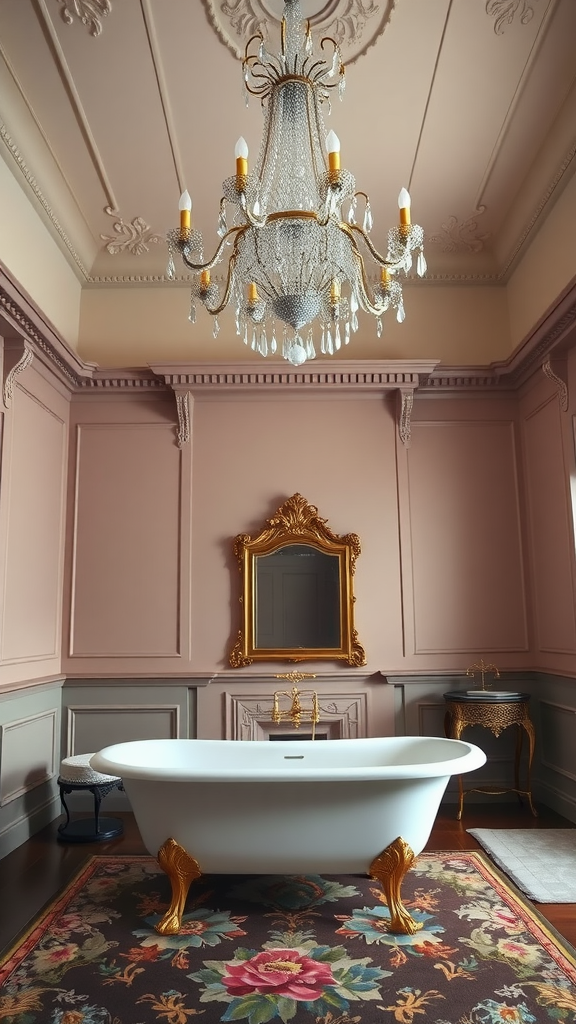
(181, 869)
(389, 868)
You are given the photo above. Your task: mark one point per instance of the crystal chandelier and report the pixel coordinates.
(297, 270)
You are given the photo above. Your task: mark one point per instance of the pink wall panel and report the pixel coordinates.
(551, 529)
(249, 456)
(33, 505)
(463, 562)
(126, 552)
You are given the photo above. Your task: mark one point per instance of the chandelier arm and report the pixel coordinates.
(377, 256)
(199, 267)
(377, 309)
(226, 297)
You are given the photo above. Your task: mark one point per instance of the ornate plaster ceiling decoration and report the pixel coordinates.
(356, 25)
(135, 238)
(505, 12)
(90, 13)
(461, 236)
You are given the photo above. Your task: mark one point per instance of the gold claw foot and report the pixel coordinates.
(389, 868)
(181, 869)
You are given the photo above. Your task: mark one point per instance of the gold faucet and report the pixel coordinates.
(297, 712)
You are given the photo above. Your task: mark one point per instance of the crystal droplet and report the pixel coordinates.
(192, 313)
(421, 266)
(353, 302)
(216, 328)
(263, 343)
(253, 346)
(347, 333)
(379, 328)
(400, 315)
(368, 222)
(245, 95)
(337, 341)
(273, 343)
(170, 268)
(354, 322)
(245, 338)
(237, 320)
(323, 341)
(256, 208)
(351, 214)
(309, 43)
(341, 87)
(329, 343)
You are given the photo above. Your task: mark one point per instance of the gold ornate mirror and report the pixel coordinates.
(297, 599)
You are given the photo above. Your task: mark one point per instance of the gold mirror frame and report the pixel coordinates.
(296, 522)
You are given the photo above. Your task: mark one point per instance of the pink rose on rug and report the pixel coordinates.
(280, 972)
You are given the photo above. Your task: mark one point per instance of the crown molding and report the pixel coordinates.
(23, 324)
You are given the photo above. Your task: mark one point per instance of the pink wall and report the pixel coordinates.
(154, 585)
(467, 536)
(33, 454)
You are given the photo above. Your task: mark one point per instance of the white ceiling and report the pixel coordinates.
(115, 106)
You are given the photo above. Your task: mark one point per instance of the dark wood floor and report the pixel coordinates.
(37, 870)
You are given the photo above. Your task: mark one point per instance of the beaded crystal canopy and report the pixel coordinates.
(296, 257)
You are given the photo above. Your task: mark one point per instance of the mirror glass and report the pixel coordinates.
(297, 600)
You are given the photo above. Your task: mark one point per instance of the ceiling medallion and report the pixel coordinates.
(354, 24)
(90, 13)
(134, 238)
(461, 236)
(506, 10)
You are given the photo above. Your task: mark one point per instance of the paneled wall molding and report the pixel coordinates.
(9, 690)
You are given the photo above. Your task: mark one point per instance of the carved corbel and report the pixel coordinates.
(560, 385)
(405, 402)
(183, 409)
(24, 361)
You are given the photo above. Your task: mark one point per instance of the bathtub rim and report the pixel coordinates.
(467, 757)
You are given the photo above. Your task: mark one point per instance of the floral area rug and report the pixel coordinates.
(309, 949)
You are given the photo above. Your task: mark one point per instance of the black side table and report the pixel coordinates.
(76, 774)
(496, 711)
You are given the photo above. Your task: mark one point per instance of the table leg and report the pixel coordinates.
(528, 726)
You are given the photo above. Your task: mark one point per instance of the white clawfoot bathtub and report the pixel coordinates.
(290, 807)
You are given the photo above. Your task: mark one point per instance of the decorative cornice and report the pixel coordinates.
(505, 11)
(346, 21)
(29, 332)
(380, 376)
(90, 13)
(134, 238)
(33, 185)
(347, 376)
(536, 213)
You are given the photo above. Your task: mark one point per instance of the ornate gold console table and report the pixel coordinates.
(496, 711)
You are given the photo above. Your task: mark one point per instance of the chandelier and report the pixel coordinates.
(297, 259)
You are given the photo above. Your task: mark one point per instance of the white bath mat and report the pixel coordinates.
(542, 862)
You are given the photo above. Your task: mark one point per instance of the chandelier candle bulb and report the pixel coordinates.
(333, 147)
(241, 154)
(404, 204)
(205, 280)
(335, 291)
(185, 207)
(385, 275)
(252, 292)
